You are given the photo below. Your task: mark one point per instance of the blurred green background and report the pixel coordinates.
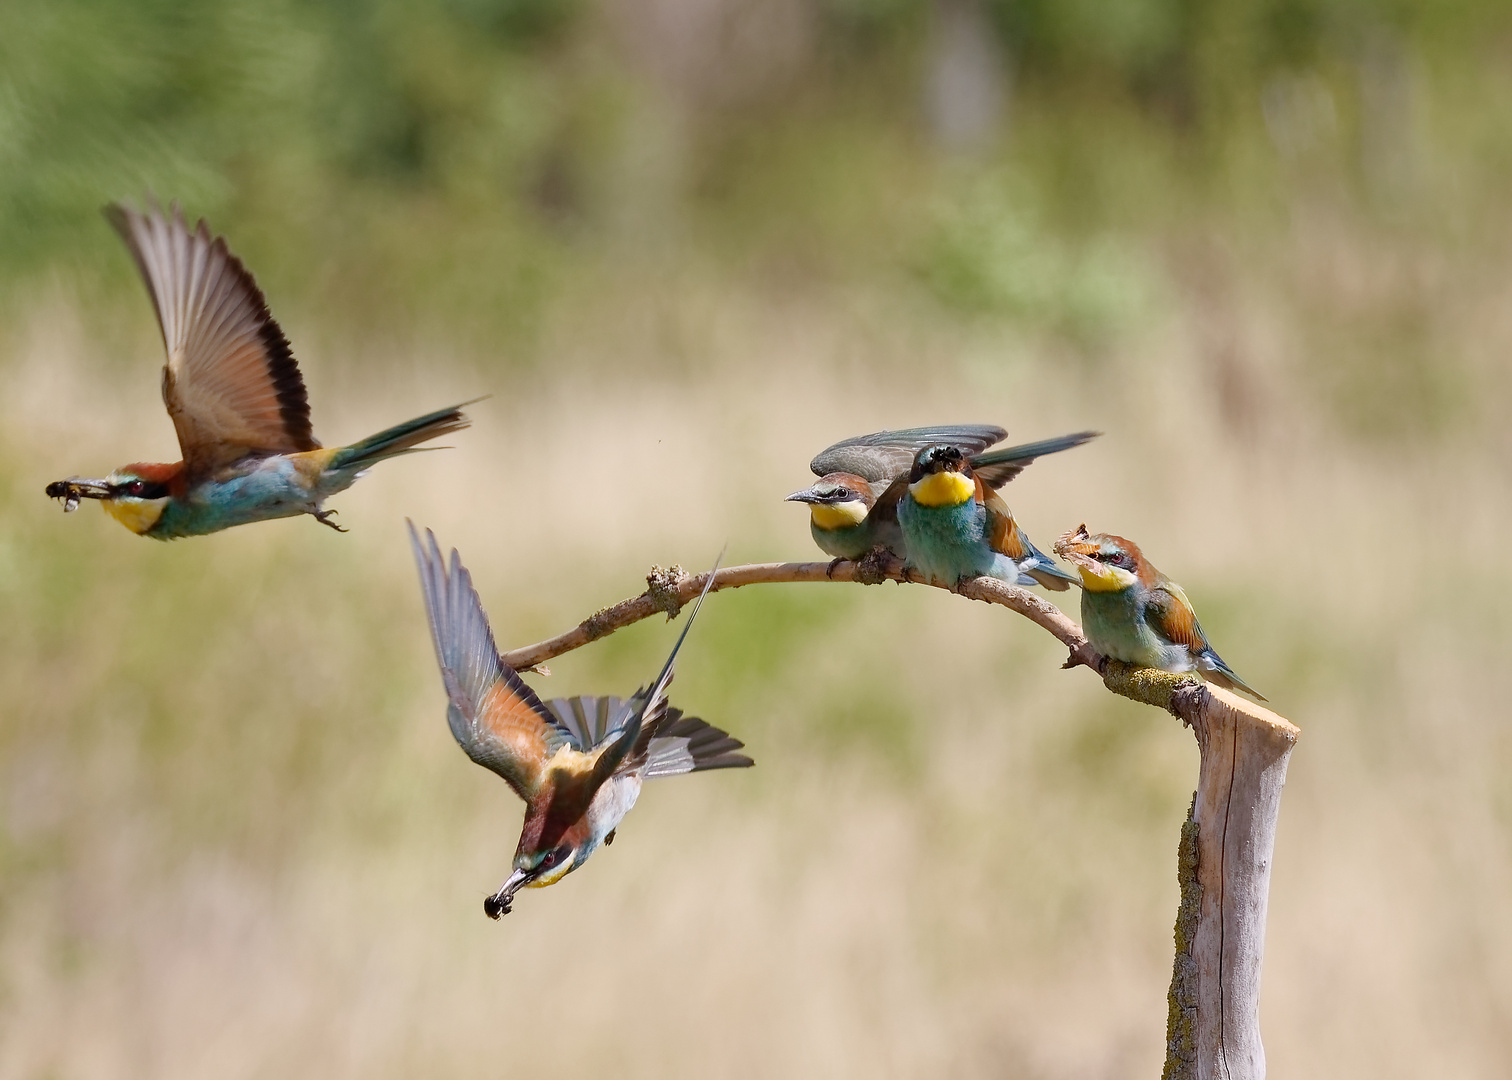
(1265, 245)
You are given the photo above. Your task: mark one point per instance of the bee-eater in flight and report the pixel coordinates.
(578, 763)
(236, 398)
(854, 506)
(1134, 613)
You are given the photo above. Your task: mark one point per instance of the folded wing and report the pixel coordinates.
(231, 384)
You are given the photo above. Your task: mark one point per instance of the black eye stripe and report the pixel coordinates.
(143, 489)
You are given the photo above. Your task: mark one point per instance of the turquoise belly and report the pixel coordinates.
(947, 542)
(1115, 624)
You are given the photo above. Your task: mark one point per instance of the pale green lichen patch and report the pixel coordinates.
(1148, 685)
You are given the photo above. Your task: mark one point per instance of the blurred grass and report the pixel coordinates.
(1263, 246)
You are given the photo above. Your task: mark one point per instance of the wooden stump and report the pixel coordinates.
(1224, 866)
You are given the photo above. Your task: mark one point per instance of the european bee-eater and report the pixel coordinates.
(957, 526)
(854, 506)
(577, 762)
(1134, 613)
(236, 397)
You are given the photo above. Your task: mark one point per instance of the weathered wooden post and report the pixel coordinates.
(1223, 864)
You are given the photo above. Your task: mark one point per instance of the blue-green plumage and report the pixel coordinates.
(948, 543)
(856, 541)
(957, 527)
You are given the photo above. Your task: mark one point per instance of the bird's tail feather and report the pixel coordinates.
(1215, 670)
(401, 438)
(686, 744)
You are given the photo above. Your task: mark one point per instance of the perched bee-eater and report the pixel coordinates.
(854, 506)
(236, 397)
(1134, 613)
(957, 526)
(577, 762)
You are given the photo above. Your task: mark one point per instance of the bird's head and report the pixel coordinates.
(1106, 563)
(135, 495)
(941, 476)
(837, 501)
(534, 870)
(557, 837)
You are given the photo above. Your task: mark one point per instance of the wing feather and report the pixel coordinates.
(883, 455)
(231, 383)
(1001, 466)
(1002, 531)
(498, 721)
(1172, 614)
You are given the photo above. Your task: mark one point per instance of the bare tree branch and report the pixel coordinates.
(1226, 845)
(669, 588)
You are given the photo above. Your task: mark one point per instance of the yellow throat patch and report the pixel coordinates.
(552, 876)
(942, 489)
(1105, 578)
(845, 515)
(138, 515)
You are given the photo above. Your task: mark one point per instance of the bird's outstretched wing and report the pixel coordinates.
(880, 457)
(497, 720)
(230, 384)
(1000, 466)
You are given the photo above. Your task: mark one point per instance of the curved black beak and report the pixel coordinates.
(500, 902)
(807, 495)
(75, 488)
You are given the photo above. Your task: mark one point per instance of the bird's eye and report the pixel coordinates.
(549, 861)
(136, 487)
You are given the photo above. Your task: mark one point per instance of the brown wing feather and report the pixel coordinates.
(1173, 615)
(1002, 531)
(513, 735)
(231, 384)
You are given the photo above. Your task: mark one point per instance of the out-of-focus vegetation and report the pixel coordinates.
(1264, 245)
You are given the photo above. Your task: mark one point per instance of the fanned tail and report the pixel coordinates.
(685, 744)
(401, 438)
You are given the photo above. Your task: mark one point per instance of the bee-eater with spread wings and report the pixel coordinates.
(236, 398)
(854, 506)
(577, 762)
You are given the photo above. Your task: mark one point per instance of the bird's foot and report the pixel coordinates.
(610, 838)
(830, 570)
(874, 565)
(324, 517)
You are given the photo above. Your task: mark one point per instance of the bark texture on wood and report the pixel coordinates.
(1214, 1029)
(1245, 749)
